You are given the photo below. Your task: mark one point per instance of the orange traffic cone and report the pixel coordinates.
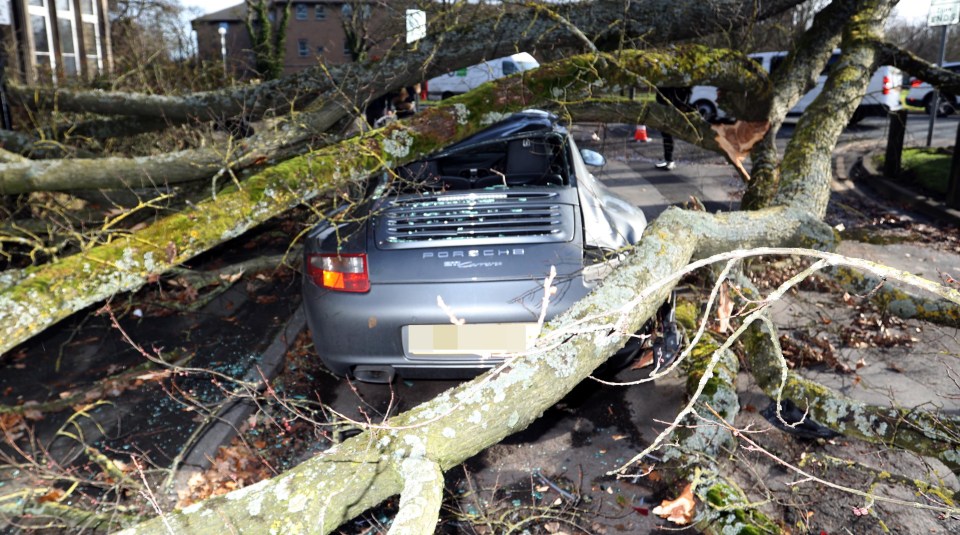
(640, 134)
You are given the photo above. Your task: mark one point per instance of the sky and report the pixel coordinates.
(209, 6)
(912, 10)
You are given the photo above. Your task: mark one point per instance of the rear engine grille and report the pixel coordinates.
(486, 218)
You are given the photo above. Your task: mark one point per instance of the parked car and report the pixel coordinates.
(463, 80)
(882, 95)
(921, 94)
(479, 226)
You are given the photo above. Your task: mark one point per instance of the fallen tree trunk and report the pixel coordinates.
(333, 487)
(279, 140)
(51, 292)
(723, 68)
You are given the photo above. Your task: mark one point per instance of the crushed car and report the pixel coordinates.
(439, 272)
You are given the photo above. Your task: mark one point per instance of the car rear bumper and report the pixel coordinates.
(351, 329)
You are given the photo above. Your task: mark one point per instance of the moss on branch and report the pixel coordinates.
(898, 302)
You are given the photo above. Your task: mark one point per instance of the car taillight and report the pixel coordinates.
(341, 272)
(886, 85)
(423, 90)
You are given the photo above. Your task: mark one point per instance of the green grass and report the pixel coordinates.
(928, 168)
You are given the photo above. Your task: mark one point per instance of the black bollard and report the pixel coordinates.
(898, 127)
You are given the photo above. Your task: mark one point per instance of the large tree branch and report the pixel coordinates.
(796, 75)
(674, 66)
(808, 157)
(901, 303)
(277, 140)
(942, 79)
(607, 22)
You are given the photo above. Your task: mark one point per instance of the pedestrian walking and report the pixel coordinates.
(679, 98)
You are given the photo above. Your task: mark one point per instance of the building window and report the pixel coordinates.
(303, 48)
(346, 11)
(320, 49)
(46, 62)
(91, 37)
(69, 45)
(301, 11)
(320, 12)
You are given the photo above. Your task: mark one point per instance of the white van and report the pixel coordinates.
(463, 80)
(882, 96)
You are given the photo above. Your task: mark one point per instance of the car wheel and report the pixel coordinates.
(706, 109)
(945, 105)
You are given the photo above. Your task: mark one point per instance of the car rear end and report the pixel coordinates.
(429, 262)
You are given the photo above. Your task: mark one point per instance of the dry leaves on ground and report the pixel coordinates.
(681, 510)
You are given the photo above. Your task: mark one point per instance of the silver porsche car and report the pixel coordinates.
(440, 271)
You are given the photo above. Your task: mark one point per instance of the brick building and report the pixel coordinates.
(317, 31)
(49, 40)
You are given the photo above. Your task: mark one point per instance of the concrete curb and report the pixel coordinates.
(845, 156)
(867, 173)
(226, 423)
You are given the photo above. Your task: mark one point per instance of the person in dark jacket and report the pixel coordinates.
(678, 97)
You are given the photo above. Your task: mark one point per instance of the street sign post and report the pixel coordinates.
(943, 13)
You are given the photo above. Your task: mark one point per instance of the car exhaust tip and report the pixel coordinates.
(374, 374)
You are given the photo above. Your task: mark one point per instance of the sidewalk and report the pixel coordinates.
(630, 170)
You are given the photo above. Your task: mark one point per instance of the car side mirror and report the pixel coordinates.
(592, 158)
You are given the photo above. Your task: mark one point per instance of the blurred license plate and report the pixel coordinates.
(484, 339)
